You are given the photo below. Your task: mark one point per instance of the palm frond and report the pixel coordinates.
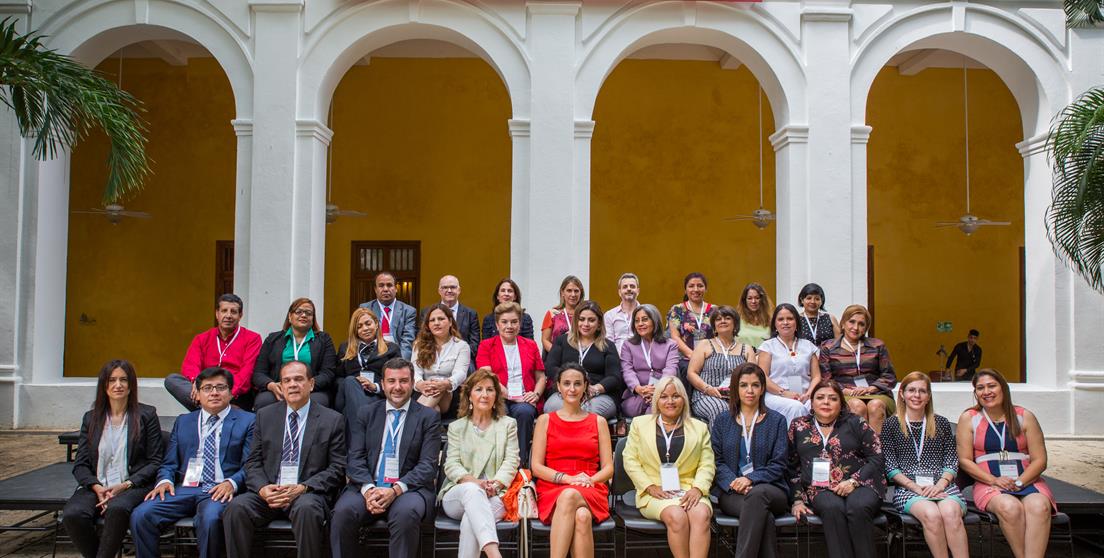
(1083, 13)
(1075, 218)
(58, 102)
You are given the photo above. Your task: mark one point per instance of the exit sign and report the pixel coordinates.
(944, 327)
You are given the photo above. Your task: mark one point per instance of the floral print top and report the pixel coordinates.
(686, 320)
(853, 448)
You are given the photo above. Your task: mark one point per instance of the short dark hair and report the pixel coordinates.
(975, 333)
(310, 373)
(725, 311)
(398, 363)
(812, 289)
(213, 372)
(232, 299)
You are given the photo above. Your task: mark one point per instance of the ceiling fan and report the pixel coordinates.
(761, 217)
(333, 212)
(114, 213)
(969, 222)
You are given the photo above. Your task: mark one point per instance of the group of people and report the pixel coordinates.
(769, 409)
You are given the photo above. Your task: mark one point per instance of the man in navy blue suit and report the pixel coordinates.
(202, 470)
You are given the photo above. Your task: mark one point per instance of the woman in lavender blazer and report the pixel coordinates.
(646, 357)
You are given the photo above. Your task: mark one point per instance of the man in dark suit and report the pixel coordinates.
(202, 470)
(397, 318)
(294, 469)
(467, 320)
(393, 453)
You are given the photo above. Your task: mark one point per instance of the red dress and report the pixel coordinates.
(572, 448)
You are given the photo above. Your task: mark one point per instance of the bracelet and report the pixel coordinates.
(557, 478)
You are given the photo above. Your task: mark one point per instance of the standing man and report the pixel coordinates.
(229, 346)
(397, 318)
(467, 320)
(294, 469)
(968, 357)
(618, 320)
(393, 453)
(202, 470)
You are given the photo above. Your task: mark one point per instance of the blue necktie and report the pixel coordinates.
(209, 454)
(290, 452)
(388, 446)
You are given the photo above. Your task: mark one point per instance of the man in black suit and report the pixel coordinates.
(467, 320)
(294, 469)
(393, 453)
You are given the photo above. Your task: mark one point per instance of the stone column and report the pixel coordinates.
(243, 202)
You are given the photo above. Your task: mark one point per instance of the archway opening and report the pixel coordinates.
(152, 281)
(917, 169)
(675, 154)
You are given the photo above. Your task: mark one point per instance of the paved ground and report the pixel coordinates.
(1080, 462)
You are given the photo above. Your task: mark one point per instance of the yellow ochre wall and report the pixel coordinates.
(147, 286)
(916, 176)
(422, 145)
(674, 153)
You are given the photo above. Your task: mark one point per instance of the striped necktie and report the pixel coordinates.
(290, 452)
(209, 450)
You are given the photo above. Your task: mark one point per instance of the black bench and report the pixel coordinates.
(44, 490)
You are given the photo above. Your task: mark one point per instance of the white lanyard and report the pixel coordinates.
(920, 447)
(725, 351)
(386, 316)
(298, 435)
(647, 354)
(567, 318)
(747, 432)
(360, 356)
(698, 318)
(114, 441)
(296, 346)
(393, 428)
(1003, 451)
(812, 325)
(823, 437)
(583, 352)
(203, 435)
(858, 353)
(218, 344)
(667, 437)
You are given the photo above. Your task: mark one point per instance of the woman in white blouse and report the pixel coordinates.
(441, 359)
(792, 365)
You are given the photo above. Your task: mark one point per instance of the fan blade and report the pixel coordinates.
(943, 224)
(138, 214)
(89, 211)
(997, 223)
(351, 213)
(740, 218)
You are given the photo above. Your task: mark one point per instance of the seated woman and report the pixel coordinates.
(710, 370)
(669, 440)
(646, 357)
(441, 359)
(362, 358)
(517, 363)
(792, 363)
(118, 455)
(690, 320)
(750, 444)
(301, 340)
(755, 315)
(816, 325)
(921, 458)
(586, 344)
(558, 320)
(480, 464)
(506, 291)
(837, 471)
(861, 366)
(572, 461)
(1001, 446)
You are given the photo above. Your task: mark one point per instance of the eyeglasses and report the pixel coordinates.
(917, 390)
(304, 313)
(211, 388)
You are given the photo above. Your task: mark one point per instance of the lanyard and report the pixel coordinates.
(811, 324)
(567, 318)
(203, 435)
(218, 344)
(296, 346)
(360, 355)
(298, 435)
(114, 441)
(394, 426)
(726, 350)
(747, 432)
(583, 352)
(920, 447)
(667, 437)
(647, 354)
(823, 437)
(858, 353)
(385, 315)
(1003, 451)
(698, 318)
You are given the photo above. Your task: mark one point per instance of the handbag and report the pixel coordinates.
(520, 499)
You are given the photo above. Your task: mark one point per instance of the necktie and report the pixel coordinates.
(387, 322)
(209, 454)
(388, 446)
(291, 438)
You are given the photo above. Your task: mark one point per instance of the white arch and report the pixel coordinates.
(348, 35)
(743, 33)
(91, 31)
(1023, 58)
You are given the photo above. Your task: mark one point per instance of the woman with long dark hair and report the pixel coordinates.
(441, 359)
(118, 454)
(301, 339)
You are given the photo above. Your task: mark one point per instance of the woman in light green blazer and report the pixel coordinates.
(668, 439)
(481, 463)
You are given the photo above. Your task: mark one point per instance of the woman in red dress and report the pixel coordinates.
(572, 460)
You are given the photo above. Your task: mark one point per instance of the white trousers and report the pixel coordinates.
(790, 408)
(477, 514)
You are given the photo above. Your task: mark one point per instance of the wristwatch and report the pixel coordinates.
(1018, 483)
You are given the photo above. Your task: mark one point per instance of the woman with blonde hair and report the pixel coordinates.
(441, 359)
(558, 320)
(669, 439)
(362, 357)
(922, 460)
(861, 366)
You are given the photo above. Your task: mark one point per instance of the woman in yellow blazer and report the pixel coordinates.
(666, 443)
(481, 463)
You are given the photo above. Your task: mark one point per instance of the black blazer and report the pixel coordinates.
(145, 450)
(271, 358)
(467, 321)
(374, 362)
(419, 448)
(321, 462)
(603, 367)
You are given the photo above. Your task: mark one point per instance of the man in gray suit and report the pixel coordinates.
(467, 320)
(393, 453)
(294, 469)
(397, 318)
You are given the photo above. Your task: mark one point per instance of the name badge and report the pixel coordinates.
(1009, 469)
(515, 388)
(194, 473)
(652, 380)
(114, 476)
(289, 473)
(746, 469)
(370, 376)
(925, 481)
(861, 382)
(391, 469)
(669, 478)
(822, 471)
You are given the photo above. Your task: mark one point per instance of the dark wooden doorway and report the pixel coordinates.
(870, 288)
(403, 259)
(224, 267)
